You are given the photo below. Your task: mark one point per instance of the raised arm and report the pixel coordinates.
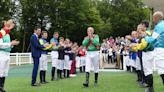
(140, 46)
(95, 40)
(85, 41)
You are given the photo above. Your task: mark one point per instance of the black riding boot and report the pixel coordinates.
(44, 77)
(86, 84)
(162, 76)
(53, 73)
(149, 81)
(64, 73)
(41, 76)
(68, 73)
(83, 68)
(96, 79)
(2, 83)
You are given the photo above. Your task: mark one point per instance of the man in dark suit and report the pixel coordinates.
(36, 53)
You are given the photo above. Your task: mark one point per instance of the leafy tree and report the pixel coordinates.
(72, 17)
(6, 10)
(123, 15)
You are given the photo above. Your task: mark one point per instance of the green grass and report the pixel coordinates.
(20, 78)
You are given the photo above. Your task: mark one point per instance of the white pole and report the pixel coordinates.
(17, 59)
(30, 59)
(124, 63)
(20, 58)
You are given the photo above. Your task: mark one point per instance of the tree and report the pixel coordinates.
(34, 13)
(6, 10)
(75, 16)
(123, 15)
(72, 17)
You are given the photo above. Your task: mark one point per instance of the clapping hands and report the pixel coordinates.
(46, 44)
(14, 42)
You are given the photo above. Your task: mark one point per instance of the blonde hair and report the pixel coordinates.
(67, 39)
(140, 26)
(8, 22)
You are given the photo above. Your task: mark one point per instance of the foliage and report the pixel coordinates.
(72, 17)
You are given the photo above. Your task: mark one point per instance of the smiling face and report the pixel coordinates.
(44, 35)
(56, 35)
(67, 41)
(38, 31)
(134, 34)
(140, 29)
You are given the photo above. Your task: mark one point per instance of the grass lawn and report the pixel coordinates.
(20, 78)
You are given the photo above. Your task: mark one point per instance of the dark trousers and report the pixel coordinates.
(35, 69)
(110, 59)
(142, 71)
(122, 62)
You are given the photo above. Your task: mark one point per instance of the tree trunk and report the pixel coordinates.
(28, 47)
(24, 41)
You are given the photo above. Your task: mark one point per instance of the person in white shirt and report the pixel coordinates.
(110, 54)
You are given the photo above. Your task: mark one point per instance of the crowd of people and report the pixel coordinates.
(147, 46)
(64, 54)
(135, 53)
(112, 51)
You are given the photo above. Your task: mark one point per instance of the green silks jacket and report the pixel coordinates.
(91, 43)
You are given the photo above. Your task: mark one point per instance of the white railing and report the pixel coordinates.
(26, 58)
(23, 58)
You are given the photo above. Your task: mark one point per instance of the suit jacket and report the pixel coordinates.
(36, 48)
